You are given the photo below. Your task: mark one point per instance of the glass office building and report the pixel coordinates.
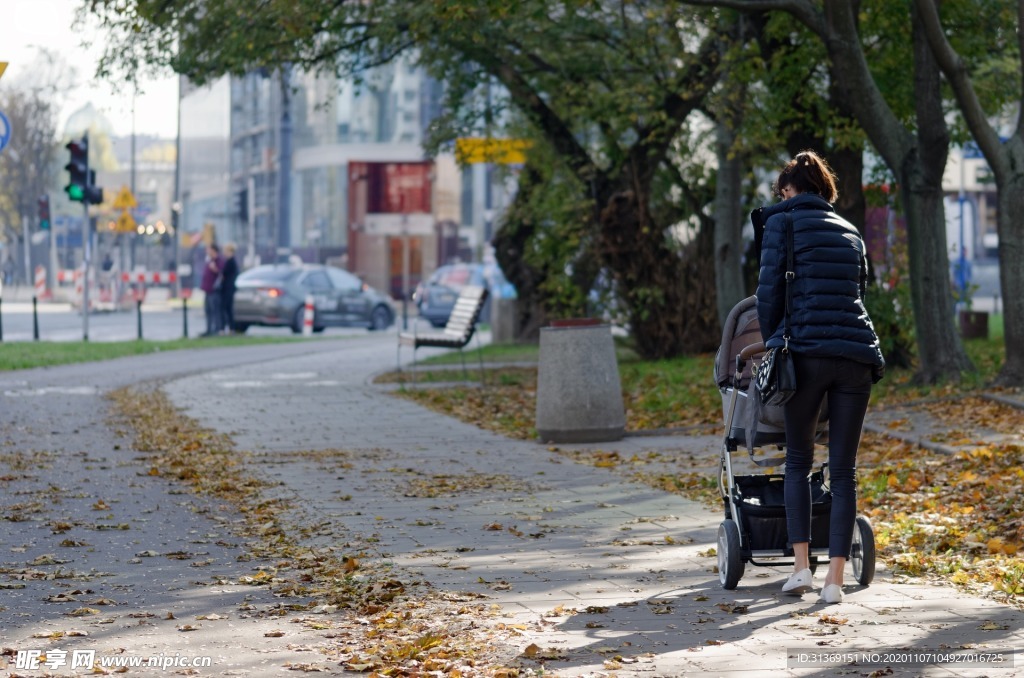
(238, 134)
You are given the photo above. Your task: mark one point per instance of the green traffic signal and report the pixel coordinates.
(78, 169)
(44, 212)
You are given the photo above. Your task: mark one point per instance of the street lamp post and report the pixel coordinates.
(175, 221)
(405, 270)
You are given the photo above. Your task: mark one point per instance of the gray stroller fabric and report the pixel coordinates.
(763, 425)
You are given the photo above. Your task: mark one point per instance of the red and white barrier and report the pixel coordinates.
(41, 292)
(67, 276)
(307, 318)
(80, 288)
(150, 277)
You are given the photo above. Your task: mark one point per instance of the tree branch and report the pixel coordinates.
(699, 77)
(955, 70)
(550, 124)
(850, 68)
(803, 11)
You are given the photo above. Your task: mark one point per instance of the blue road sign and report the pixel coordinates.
(5, 131)
(971, 150)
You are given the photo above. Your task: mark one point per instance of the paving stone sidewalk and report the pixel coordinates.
(597, 575)
(97, 555)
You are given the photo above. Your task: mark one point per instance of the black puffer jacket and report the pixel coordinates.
(827, 314)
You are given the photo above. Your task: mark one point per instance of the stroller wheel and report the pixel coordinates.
(730, 557)
(862, 555)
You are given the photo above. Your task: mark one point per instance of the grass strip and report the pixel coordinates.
(28, 355)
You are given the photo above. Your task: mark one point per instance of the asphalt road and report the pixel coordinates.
(60, 322)
(97, 555)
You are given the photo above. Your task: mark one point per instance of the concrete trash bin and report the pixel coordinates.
(504, 312)
(579, 394)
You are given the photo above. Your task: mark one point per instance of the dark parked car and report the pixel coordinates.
(275, 295)
(435, 296)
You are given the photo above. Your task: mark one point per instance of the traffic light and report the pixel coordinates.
(44, 212)
(78, 169)
(93, 193)
(241, 206)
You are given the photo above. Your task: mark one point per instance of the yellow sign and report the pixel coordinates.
(124, 199)
(472, 150)
(126, 222)
(3, 67)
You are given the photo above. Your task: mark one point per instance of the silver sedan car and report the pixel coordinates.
(275, 295)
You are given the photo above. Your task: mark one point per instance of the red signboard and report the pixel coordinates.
(385, 188)
(389, 188)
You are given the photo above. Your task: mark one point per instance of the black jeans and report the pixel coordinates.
(227, 310)
(848, 387)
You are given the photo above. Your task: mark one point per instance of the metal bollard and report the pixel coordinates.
(1, 318)
(35, 319)
(138, 315)
(184, 315)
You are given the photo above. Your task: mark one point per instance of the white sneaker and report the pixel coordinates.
(832, 594)
(798, 583)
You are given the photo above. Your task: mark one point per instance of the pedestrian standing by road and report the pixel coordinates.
(834, 349)
(227, 289)
(211, 283)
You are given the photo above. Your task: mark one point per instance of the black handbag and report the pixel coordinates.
(776, 375)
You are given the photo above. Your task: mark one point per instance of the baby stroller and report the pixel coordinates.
(755, 513)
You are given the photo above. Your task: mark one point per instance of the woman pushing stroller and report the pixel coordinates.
(835, 352)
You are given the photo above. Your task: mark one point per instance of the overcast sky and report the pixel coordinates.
(28, 23)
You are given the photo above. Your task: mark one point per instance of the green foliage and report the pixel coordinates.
(500, 353)
(26, 355)
(887, 45)
(559, 212)
(889, 308)
(669, 393)
(984, 33)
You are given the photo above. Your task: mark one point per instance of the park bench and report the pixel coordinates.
(457, 333)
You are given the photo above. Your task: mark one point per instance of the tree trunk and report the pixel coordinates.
(729, 220)
(510, 243)
(669, 303)
(940, 351)
(849, 167)
(1007, 163)
(1011, 273)
(918, 162)
(702, 330)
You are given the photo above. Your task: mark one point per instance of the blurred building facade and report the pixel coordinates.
(309, 165)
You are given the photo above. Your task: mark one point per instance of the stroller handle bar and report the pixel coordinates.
(743, 356)
(753, 349)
